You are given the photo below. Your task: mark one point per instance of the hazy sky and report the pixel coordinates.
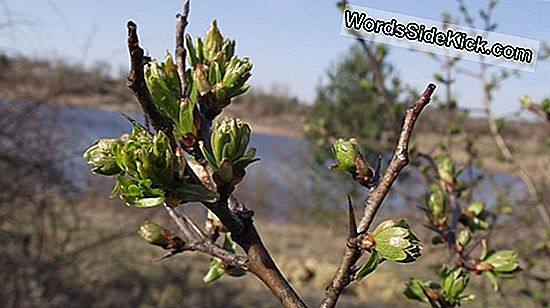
(292, 43)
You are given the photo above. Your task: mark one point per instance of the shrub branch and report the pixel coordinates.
(377, 194)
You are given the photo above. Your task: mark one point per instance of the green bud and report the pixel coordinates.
(229, 140)
(395, 241)
(150, 169)
(476, 207)
(215, 272)
(139, 193)
(453, 283)
(100, 156)
(446, 172)
(346, 153)
(218, 268)
(415, 289)
(503, 262)
(476, 216)
(233, 84)
(145, 157)
(463, 237)
(164, 84)
(436, 209)
(157, 235)
(229, 157)
(213, 42)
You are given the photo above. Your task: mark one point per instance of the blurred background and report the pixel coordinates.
(62, 86)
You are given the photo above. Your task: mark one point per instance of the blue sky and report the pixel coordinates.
(292, 43)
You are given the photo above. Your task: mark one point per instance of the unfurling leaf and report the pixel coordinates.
(368, 267)
(101, 157)
(453, 284)
(416, 289)
(215, 272)
(395, 241)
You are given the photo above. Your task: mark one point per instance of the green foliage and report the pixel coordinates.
(368, 267)
(146, 170)
(443, 206)
(217, 73)
(453, 284)
(395, 241)
(448, 292)
(229, 156)
(152, 170)
(475, 216)
(347, 153)
(215, 76)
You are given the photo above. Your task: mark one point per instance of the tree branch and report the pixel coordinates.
(238, 220)
(181, 24)
(196, 239)
(136, 82)
(399, 161)
(377, 194)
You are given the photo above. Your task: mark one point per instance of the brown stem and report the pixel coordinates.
(376, 196)
(399, 161)
(197, 240)
(260, 263)
(136, 82)
(181, 24)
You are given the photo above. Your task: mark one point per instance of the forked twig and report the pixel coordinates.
(376, 197)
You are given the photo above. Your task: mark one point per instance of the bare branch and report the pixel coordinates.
(180, 46)
(400, 159)
(240, 224)
(136, 83)
(196, 240)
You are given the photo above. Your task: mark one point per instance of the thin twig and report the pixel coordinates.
(136, 83)
(398, 162)
(180, 47)
(376, 196)
(200, 243)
